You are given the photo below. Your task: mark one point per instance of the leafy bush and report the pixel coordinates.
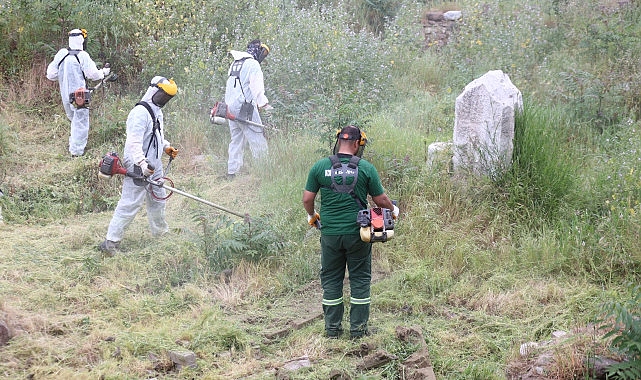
(626, 331)
(315, 75)
(531, 42)
(226, 242)
(375, 14)
(510, 33)
(36, 30)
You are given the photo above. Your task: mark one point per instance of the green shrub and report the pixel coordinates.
(375, 14)
(626, 331)
(227, 242)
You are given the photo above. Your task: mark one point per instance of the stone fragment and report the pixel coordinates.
(4, 334)
(452, 15)
(439, 155)
(337, 374)
(296, 364)
(379, 358)
(434, 16)
(183, 359)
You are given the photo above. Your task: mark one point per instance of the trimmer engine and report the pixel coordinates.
(377, 224)
(80, 98)
(110, 165)
(220, 113)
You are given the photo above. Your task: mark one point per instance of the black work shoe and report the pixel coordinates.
(109, 248)
(230, 177)
(361, 334)
(333, 334)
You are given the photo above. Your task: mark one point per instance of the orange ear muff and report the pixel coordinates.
(363, 139)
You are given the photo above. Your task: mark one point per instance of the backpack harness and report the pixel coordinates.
(345, 171)
(235, 72)
(376, 223)
(156, 126)
(75, 54)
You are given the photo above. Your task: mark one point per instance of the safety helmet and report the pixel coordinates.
(165, 90)
(258, 50)
(353, 133)
(78, 39)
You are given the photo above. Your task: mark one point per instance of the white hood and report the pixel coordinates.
(151, 90)
(239, 54)
(75, 42)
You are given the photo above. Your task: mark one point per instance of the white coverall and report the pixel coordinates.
(253, 91)
(139, 134)
(70, 77)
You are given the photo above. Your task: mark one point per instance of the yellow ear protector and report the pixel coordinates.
(83, 33)
(264, 52)
(363, 139)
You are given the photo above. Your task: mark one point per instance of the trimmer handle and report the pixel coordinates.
(135, 173)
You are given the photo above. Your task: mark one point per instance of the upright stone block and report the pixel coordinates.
(484, 124)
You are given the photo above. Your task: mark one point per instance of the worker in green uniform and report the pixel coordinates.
(344, 181)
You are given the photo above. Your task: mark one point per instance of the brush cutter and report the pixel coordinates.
(220, 112)
(110, 165)
(82, 96)
(376, 224)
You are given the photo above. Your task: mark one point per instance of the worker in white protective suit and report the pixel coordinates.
(244, 96)
(144, 146)
(71, 67)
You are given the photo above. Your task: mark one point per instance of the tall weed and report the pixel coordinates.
(542, 181)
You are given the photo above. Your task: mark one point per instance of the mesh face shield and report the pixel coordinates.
(262, 53)
(165, 92)
(160, 98)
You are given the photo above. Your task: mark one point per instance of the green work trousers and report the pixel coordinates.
(337, 253)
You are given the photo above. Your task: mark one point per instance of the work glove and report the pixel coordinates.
(146, 170)
(395, 212)
(171, 151)
(314, 220)
(105, 71)
(267, 107)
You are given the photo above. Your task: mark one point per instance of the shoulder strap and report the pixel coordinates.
(346, 171)
(148, 107)
(235, 72)
(70, 52)
(75, 54)
(235, 68)
(156, 126)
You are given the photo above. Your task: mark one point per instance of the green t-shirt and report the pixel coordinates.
(338, 211)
